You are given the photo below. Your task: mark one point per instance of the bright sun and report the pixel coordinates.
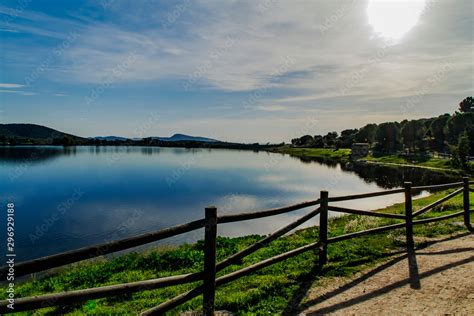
(392, 19)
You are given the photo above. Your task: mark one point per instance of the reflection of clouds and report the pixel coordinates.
(235, 203)
(104, 219)
(301, 185)
(238, 202)
(234, 181)
(376, 202)
(372, 203)
(264, 226)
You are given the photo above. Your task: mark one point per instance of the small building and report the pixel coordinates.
(360, 150)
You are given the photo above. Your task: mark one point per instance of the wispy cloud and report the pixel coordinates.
(262, 39)
(18, 92)
(9, 30)
(11, 85)
(233, 51)
(271, 108)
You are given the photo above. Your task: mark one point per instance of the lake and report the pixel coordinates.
(71, 197)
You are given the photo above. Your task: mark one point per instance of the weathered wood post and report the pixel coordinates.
(467, 213)
(323, 228)
(210, 261)
(409, 214)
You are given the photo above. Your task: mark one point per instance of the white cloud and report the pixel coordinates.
(338, 63)
(242, 47)
(271, 108)
(11, 85)
(18, 92)
(9, 30)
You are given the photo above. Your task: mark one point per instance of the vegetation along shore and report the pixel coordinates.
(440, 143)
(272, 290)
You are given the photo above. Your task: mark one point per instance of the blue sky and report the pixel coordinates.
(234, 70)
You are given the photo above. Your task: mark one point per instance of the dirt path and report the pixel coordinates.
(438, 280)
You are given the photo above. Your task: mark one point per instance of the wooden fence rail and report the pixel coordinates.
(208, 275)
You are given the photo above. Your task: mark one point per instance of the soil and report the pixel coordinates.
(435, 280)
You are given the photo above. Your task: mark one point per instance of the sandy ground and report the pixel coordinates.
(438, 280)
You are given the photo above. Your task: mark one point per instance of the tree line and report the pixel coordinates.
(447, 133)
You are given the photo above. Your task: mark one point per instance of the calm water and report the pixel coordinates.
(73, 197)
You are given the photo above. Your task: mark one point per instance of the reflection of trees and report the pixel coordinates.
(387, 177)
(329, 162)
(34, 154)
(146, 151)
(384, 176)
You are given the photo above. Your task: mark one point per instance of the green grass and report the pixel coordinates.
(419, 161)
(268, 291)
(342, 155)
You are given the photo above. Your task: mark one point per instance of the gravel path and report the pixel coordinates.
(439, 280)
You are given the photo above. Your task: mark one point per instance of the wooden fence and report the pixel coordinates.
(211, 267)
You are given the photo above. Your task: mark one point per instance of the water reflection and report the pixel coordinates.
(33, 154)
(387, 177)
(72, 197)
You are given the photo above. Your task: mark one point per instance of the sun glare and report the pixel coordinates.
(392, 19)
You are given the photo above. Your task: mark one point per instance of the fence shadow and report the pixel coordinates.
(414, 275)
(210, 268)
(413, 280)
(304, 287)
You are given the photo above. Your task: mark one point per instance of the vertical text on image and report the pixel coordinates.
(10, 255)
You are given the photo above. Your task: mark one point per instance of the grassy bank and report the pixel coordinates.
(339, 155)
(418, 161)
(271, 290)
(343, 155)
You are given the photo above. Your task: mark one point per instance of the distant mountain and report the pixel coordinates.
(110, 138)
(182, 137)
(37, 134)
(34, 132)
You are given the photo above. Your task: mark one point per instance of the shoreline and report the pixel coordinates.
(343, 155)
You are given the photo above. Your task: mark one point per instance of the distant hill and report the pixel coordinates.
(182, 137)
(37, 134)
(110, 138)
(174, 138)
(34, 132)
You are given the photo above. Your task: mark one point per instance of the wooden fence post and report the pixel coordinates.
(409, 214)
(467, 213)
(210, 261)
(323, 228)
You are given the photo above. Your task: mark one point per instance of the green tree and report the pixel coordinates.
(413, 134)
(437, 131)
(467, 105)
(366, 134)
(461, 151)
(347, 138)
(387, 137)
(318, 141)
(13, 141)
(330, 139)
(303, 141)
(457, 125)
